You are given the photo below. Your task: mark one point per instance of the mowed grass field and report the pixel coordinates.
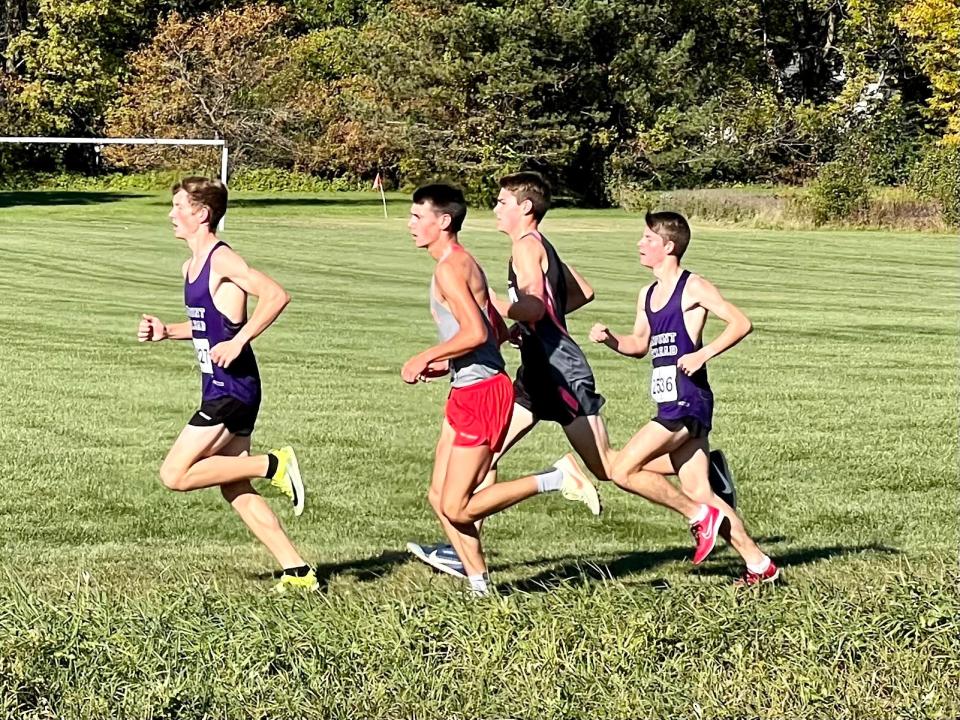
(119, 598)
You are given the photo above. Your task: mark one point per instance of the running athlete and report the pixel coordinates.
(671, 314)
(214, 447)
(555, 382)
(480, 402)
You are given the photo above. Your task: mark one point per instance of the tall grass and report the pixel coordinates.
(119, 599)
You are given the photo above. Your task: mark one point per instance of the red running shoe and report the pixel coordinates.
(748, 579)
(705, 533)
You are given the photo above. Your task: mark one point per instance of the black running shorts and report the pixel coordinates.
(238, 417)
(550, 396)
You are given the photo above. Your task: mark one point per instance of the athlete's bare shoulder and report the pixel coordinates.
(227, 262)
(696, 289)
(452, 268)
(530, 244)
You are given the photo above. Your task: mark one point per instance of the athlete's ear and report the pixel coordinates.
(527, 206)
(445, 221)
(668, 247)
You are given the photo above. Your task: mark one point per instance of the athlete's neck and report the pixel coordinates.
(528, 228)
(201, 242)
(443, 246)
(668, 270)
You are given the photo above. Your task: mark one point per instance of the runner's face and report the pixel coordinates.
(508, 211)
(186, 219)
(425, 224)
(652, 249)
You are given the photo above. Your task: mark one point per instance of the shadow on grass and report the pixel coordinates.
(61, 197)
(576, 571)
(363, 570)
(794, 558)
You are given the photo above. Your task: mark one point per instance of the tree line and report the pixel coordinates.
(602, 95)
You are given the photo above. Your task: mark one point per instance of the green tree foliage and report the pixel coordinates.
(600, 94)
(64, 62)
(233, 75)
(934, 28)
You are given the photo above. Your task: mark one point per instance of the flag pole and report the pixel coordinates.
(378, 185)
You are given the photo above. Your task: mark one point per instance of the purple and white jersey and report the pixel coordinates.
(210, 327)
(676, 394)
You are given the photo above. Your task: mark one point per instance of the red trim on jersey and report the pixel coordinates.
(550, 304)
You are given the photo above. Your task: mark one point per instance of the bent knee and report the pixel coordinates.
(620, 478)
(172, 478)
(457, 514)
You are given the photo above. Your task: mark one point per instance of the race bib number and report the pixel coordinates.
(202, 346)
(663, 383)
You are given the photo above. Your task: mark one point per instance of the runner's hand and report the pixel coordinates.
(151, 329)
(600, 333)
(692, 362)
(222, 354)
(414, 369)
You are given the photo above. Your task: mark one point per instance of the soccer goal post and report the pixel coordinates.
(222, 144)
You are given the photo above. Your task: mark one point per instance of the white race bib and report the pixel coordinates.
(202, 346)
(663, 383)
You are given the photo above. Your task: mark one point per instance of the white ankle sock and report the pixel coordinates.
(478, 583)
(760, 567)
(700, 516)
(549, 480)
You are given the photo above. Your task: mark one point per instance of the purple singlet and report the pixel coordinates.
(210, 327)
(676, 394)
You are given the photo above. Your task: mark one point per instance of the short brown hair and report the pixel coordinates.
(672, 227)
(210, 193)
(446, 200)
(532, 186)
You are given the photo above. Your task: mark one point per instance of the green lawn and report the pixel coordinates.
(121, 599)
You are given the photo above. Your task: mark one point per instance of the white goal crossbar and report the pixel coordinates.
(222, 144)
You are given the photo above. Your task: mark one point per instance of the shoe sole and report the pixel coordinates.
(296, 482)
(765, 581)
(418, 553)
(283, 589)
(716, 532)
(588, 494)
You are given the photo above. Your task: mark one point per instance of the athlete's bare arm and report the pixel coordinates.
(453, 285)
(579, 292)
(528, 257)
(153, 329)
(637, 343)
(500, 329)
(702, 293)
(271, 300)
